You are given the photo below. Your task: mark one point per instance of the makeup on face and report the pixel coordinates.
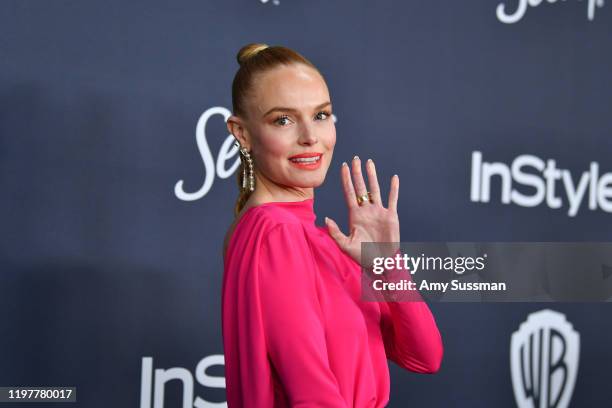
(307, 161)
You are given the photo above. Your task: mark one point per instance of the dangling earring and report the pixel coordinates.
(247, 158)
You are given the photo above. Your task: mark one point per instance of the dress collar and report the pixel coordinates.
(304, 210)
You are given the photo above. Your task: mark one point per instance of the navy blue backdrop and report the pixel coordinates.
(117, 188)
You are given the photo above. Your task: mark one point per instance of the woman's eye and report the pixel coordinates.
(284, 117)
(327, 114)
(280, 120)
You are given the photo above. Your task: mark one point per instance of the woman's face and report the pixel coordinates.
(289, 115)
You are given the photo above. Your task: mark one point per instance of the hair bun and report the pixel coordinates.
(249, 51)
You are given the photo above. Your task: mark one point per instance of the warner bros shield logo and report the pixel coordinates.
(544, 354)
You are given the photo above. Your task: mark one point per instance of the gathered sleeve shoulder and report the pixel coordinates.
(292, 318)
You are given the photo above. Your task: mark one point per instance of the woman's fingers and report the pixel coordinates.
(394, 193)
(354, 184)
(360, 186)
(347, 186)
(373, 182)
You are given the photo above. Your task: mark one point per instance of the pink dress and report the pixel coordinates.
(295, 333)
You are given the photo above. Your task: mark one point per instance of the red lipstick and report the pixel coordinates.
(307, 161)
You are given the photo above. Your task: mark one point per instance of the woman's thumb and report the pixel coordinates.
(334, 231)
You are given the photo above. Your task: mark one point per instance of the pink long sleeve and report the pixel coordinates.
(292, 319)
(411, 337)
(410, 333)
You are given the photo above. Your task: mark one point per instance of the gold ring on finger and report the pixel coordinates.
(364, 197)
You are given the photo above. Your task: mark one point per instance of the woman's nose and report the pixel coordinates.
(308, 135)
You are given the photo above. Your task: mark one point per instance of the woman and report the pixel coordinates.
(295, 332)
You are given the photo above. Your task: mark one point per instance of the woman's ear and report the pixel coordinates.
(236, 128)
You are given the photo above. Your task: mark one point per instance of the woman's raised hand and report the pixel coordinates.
(369, 221)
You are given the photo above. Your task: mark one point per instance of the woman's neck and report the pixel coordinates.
(295, 194)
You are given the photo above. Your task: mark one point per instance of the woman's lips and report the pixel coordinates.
(307, 161)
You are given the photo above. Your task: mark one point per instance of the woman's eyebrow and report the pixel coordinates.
(283, 109)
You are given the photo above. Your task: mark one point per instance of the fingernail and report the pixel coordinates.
(344, 164)
(326, 219)
(395, 175)
(356, 158)
(370, 161)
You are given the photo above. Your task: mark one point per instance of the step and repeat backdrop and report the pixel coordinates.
(117, 181)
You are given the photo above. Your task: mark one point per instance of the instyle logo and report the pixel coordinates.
(154, 386)
(507, 17)
(544, 354)
(223, 166)
(534, 173)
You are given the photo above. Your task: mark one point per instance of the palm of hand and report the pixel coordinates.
(370, 221)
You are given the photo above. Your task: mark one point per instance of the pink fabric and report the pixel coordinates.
(295, 333)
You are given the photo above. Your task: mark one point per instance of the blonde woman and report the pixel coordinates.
(295, 332)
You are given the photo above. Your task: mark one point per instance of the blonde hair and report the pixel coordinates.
(255, 59)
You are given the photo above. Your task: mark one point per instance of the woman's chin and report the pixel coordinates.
(308, 182)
